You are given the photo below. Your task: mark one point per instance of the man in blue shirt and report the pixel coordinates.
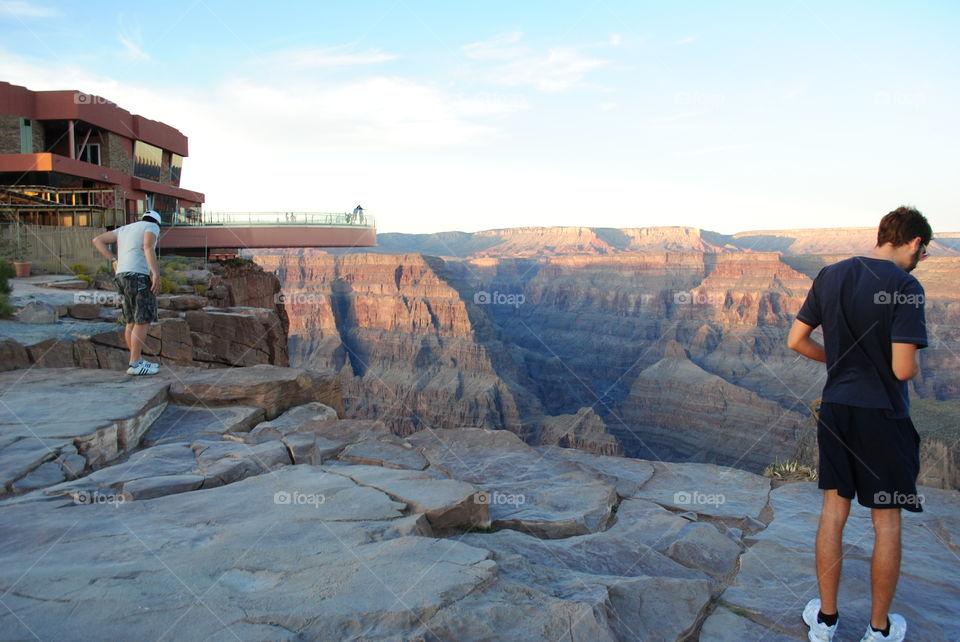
(871, 311)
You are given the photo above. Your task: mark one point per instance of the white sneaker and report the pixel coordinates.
(819, 632)
(143, 367)
(898, 631)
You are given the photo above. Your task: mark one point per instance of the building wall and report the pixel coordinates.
(9, 134)
(115, 154)
(39, 140)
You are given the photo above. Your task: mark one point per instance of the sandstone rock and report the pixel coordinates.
(292, 420)
(183, 423)
(709, 490)
(84, 311)
(52, 353)
(566, 502)
(700, 545)
(382, 453)
(13, 356)
(268, 387)
(45, 474)
(147, 487)
(181, 302)
(108, 413)
(626, 474)
(448, 504)
(584, 430)
(37, 312)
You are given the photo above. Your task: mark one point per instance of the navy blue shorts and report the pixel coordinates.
(867, 454)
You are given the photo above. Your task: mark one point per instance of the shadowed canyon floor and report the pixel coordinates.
(225, 505)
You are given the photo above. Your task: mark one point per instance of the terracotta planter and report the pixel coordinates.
(21, 268)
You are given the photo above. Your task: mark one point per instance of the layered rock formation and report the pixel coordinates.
(537, 324)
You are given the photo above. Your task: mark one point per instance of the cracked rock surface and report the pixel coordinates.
(225, 510)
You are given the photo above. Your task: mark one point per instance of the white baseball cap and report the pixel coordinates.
(153, 216)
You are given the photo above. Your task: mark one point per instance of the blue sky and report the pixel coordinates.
(728, 116)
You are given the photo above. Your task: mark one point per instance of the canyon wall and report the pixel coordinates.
(643, 352)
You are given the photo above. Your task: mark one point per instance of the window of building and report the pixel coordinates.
(147, 160)
(90, 153)
(176, 166)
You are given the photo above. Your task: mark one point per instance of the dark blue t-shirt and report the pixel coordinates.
(864, 305)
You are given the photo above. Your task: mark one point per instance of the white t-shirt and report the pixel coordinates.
(130, 256)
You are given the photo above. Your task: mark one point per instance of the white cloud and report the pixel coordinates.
(322, 58)
(615, 40)
(553, 70)
(27, 10)
(686, 40)
(133, 48)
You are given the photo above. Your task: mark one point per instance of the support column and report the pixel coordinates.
(71, 140)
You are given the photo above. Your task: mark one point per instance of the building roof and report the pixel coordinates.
(77, 105)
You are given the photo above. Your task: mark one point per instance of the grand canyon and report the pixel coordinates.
(664, 343)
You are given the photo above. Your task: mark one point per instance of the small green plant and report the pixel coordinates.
(86, 278)
(79, 268)
(168, 285)
(6, 273)
(201, 289)
(6, 308)
(790, 471)
(104, 268)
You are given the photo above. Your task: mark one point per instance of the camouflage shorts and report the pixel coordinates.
(139, 303)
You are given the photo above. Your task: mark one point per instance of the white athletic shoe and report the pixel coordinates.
(143, 367)
(819, 632)
(898, 630)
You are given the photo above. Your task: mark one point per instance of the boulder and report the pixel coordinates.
(84, 311)
(37, 312)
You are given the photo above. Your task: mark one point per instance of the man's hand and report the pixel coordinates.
(155, 283)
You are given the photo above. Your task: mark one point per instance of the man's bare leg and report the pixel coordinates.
(833, 517)
(136, 335)
(885, 563)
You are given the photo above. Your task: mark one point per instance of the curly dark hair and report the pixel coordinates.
(902, 225)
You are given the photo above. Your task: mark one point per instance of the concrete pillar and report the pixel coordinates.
(71, 140)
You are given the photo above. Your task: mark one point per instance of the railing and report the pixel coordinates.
(70, 196)
(273, 219)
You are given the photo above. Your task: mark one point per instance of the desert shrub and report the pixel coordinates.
(6, 308)
(201, 289)
(168, 285)
(86, 278)
(790, 471)
(6, 273)
(79, 268)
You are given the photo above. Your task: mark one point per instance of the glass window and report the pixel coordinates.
(147, 160)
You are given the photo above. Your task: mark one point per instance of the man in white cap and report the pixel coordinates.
(138, 282)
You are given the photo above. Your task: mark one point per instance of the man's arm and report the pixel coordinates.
(799, 340)
(101, 242)
(149, 240)
(906, 361)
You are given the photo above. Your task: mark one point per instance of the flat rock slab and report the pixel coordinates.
(101, 412)
(187, 423)
(448, 504)
(292, 420)
(628, 475)
(383, 453)
(526, 491)
(708, 490)
(777, 576)
(296, 551)
(272, 388)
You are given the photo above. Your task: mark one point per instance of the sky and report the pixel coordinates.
(436, 116)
